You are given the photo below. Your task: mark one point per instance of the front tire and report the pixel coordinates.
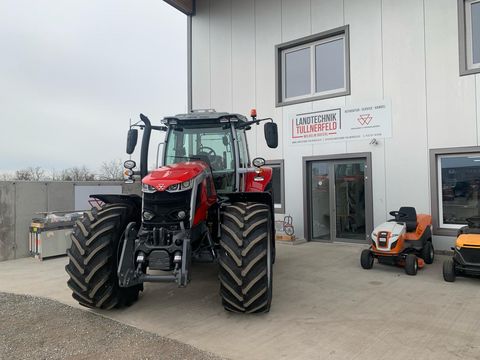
(94, 257)
(411, 264)
(449, 274)
(246, 258)
(366, 259)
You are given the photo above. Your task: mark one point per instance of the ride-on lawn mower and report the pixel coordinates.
(466, 253)
(405, 240)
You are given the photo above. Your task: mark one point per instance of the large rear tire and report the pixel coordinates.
(94, 255)
(246, 257)
(428, 252)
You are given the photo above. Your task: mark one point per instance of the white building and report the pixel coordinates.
(288, 57)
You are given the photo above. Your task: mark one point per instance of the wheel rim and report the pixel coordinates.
(431, 252)
(415, 265)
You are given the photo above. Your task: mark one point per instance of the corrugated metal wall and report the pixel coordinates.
(21, 200)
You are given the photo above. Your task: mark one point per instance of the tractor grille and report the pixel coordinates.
(159, 260)
(165, 206)
(470, 255)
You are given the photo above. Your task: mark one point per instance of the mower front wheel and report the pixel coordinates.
(449, 274)
(411, 264)
(366, 259)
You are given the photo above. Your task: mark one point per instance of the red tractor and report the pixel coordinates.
(208, 203)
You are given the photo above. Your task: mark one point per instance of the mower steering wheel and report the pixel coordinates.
(398, 215)
(473, 222)
(209, 151)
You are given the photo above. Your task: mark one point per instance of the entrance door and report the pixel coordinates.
(337, 200)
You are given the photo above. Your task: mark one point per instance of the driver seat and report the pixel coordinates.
(411, 219)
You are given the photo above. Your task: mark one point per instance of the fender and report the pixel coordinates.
(133, 200)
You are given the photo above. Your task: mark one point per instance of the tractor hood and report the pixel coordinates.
(168, 175)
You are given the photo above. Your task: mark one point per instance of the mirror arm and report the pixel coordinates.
(256, 121)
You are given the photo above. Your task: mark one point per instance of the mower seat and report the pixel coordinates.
(411, 219)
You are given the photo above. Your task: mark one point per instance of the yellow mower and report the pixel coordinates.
(466, 253)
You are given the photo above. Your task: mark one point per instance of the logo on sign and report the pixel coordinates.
(364, 119)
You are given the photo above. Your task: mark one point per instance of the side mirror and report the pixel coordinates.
(271, 134)
(132, 138)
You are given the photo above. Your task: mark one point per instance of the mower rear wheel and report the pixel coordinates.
(366, 259)
(428, 253)
(449, 273)
(245, 259)
(411, 264)
(94, 255)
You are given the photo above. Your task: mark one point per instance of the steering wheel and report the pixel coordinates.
(473, 222)
(398, 215)
(209, 151)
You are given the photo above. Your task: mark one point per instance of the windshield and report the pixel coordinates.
(210, 144)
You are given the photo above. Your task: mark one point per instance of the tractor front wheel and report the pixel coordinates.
(94, 255)
(246, 256)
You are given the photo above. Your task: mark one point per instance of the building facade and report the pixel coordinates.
(298, 61)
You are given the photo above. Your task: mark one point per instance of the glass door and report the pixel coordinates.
(320, 200)
(350, 200)
(336, 200)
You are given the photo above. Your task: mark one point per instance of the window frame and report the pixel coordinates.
(465, 41)
(311, 42)
(279, 164)
(435, 178)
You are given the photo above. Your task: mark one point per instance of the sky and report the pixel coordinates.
(73, 72)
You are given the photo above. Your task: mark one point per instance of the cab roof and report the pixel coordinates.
(198, 117)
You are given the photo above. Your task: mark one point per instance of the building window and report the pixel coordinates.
(278, 185)
(456, 188)
(312, 68)
(469, 32)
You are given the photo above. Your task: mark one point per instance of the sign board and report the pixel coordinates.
(341, 124)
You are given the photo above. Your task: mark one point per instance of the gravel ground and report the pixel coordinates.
(37, 328)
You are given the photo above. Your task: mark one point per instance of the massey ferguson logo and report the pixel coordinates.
(161, 187)
(365, 119)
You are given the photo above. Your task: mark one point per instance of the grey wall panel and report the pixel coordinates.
(60, 196)
(243, 63)
(135, 188)
(201, 56)
(404, 81)
(7, 221)
(221, 54)
(268, 33)
(30, 198)
(451, 99)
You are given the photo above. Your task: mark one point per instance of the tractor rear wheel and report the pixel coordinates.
(411, 264)
(449, 270)
(245, 259)
(94, 255)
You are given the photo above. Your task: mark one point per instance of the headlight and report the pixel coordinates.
(186, 185)
(148, 188)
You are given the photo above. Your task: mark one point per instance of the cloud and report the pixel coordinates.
(72, 74)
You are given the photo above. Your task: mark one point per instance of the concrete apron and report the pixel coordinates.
(324, 306)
